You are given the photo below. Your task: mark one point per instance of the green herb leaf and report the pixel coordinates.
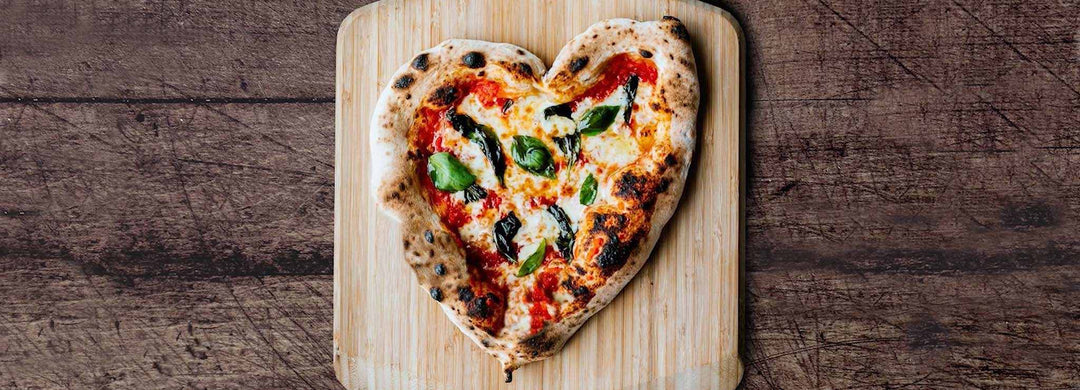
(448, 174)
(570, 145)
(565, 241)
(534, 260)
(587, 194)
(562, 110)
(532, 155)
(597, 119)
(505, 230)
(483, 137)
(631, 91)
(474, 193)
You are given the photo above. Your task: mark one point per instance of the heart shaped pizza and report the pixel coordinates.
(529, 197)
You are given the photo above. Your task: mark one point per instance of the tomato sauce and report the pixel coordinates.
(492, 201)
(486, 91)
(542, 201)
(541, 294)
(619, 69)
(484, 277)
(488, 262)
(450, 210)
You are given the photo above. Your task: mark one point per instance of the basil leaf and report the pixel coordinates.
(474, 193)
(597, 119)
(631, 91)
(483, 137)
(448, 174)
(505, 230)
(562, 110)
(534, 260)
(587, 194)
(570, 146)
(565, 241)
(533, 156)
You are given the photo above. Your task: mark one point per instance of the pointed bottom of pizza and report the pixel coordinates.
(529, 197)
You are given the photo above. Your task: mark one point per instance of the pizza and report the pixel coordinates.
(528, 197)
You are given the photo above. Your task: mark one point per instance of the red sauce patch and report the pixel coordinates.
(541, 294)
(486, 91)
(488, 262)
(617, 71)
(542, 201)
(428, 122)
(485, 277)
(492, 201)
(450, 210)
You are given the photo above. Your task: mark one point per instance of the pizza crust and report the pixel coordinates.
(428, 244)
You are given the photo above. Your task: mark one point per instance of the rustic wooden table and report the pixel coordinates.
(166, 194)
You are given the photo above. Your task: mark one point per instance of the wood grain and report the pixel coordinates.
(674, 326)
(911, 209)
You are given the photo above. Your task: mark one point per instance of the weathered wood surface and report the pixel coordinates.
(166, 203)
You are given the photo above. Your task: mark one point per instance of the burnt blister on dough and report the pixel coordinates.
(474, 59)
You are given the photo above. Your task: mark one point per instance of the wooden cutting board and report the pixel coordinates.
(675, 326)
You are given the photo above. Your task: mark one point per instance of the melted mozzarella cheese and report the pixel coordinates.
(536, 224)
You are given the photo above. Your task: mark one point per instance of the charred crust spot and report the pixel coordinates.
(577, 64)
(440, 269)
(614, 254)
(580, 292)
(485, 343)
(407, 97)
(465, 294)
(631, 186)
(522, 69)
(406, 243)
(670, 160)
(444, 95)
(401, 186)
(474, 59)
(642, 189)
(685, 62)
(654, 106)
(420, 62)
(645, 53)
(680, 32)
(595, 35)
(481, 307)
(431, 253)
(663, 186)
(538, 344)
(403, 82)
(615, 251)
(520, 52)
(669, 17)
(482, 73)
(436, 294)
(607, 223)
(429, 237)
